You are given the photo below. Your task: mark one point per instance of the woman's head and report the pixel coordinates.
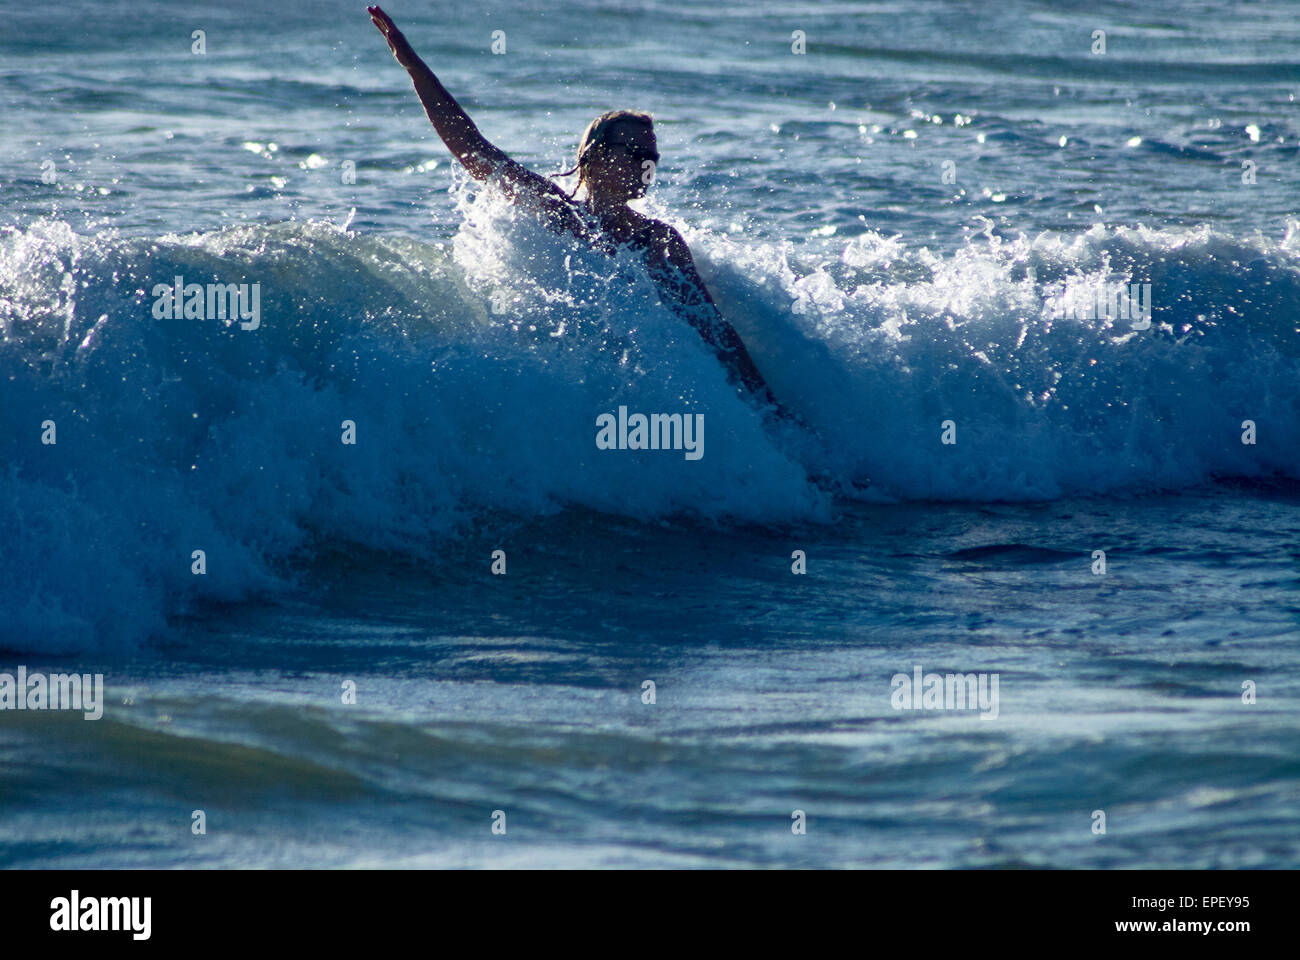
(617, 155)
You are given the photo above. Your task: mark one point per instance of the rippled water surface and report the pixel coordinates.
(886, 219)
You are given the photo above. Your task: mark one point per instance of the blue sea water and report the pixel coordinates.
(886, 219)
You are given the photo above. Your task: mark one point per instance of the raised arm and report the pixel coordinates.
(480, 157)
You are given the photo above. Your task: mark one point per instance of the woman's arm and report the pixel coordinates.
(480, 157)
(700, 310)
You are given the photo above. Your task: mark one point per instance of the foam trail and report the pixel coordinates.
(176, 435)
(877, 350)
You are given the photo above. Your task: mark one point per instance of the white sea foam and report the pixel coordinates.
(178, 435)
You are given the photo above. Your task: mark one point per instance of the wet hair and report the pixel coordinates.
(595, 135)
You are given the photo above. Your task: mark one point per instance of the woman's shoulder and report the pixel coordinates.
(662, 241)
(657, 235)
(650, 227)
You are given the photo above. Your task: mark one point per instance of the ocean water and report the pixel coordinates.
(888, 219)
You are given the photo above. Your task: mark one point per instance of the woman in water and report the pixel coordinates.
(616, 160)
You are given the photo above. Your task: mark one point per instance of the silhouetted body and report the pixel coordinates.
(616, 160)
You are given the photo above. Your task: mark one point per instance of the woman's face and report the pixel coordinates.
(623, 163)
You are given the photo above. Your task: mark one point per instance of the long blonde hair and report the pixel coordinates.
(594, 135)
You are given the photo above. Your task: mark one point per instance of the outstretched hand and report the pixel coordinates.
(396, 40)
